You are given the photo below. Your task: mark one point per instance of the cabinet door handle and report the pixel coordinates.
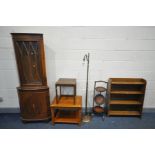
(33, 107)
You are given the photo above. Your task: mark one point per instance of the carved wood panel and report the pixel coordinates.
(34, 102)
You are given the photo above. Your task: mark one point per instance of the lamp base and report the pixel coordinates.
(86, 118)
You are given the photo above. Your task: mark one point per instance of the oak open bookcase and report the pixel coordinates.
(126, 96)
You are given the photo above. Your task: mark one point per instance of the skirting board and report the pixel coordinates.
(9, 110)
(17, 110)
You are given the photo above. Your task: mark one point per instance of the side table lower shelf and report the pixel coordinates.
(66, 111)
(67, 116)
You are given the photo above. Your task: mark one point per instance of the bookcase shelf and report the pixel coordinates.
(125, 113)
(134, 81)
(125, 102)
(126, 92)
(126, 96)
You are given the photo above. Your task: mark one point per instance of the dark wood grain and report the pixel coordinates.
(33, 91)
(65, 82)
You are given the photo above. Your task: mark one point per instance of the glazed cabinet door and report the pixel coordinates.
(29, 52)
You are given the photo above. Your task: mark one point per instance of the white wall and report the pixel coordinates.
(114, 52)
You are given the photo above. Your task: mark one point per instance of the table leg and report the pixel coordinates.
(56, 94)
(60, 92)
(53, 116)
(79, 115)
(74, 94)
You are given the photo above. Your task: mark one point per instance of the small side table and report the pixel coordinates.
(65, 82)
(66, 111)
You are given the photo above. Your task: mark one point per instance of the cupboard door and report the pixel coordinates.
(29, 62)
(34, 104)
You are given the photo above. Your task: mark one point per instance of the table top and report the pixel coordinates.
(66, 82)
(67, 102)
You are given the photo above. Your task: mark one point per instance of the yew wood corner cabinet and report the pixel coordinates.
(33, 91)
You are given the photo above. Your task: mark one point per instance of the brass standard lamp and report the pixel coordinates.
(86, 117)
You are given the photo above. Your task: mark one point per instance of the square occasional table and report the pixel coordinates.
(66, 111)
(65, 82)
